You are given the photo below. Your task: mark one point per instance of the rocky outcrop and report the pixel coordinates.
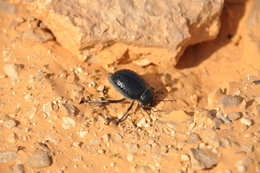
(169, 24)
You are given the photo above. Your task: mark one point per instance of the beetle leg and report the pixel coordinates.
(103, 101)
(146, 112)
(126, 113)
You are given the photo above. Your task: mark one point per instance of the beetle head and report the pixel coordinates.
(146, 98)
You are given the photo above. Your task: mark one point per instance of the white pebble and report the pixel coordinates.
(246, 121)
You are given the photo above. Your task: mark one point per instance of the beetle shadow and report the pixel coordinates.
(154, 82)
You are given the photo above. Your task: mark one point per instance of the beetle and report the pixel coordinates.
(133, 87)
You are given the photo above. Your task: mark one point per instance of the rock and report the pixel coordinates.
(202, 159)
(7, 8)
(39, 159)
(130, 157)
(230, 101)
(68, 109)
(234, 116)
(203, 117)
(106, 138)
(166, 79)
(68, 122)
(11, 71)
(248, 148)
(117, 137)
(17, 169)
(47, 109)
(253, 22)
(214, 96)
(9, 123)
(193, 138)
(38, 34)
(246, 121)
(143, 123)
(185, 157)
(168, 24)
(142, 62)
(12, 138)
(7, 156)
(101, 88)
(257, 110)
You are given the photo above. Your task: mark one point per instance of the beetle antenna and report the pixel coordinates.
(102, 101)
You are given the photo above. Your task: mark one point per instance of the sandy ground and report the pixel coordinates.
(43, 101)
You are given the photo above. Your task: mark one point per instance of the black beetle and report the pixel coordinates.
(132, 87)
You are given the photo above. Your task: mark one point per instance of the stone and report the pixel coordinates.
(257, 110)
(19, 168)
(185, 157)
(248, 148)
(202, 159)
(7, 8)
(246, 121)
(68, 109)
(11, 71)
(142, 123)
(230, 101)
(142, 62)
(68, 122)
(38, 34)
(253, 22)
(7, 156)
(234, 115)
(106, 138)
(167, 24)
(214, 96)
(130, 157)
(9, 123)
(166, 79)
(39, 159)
(12, 138)
(203, 117)
(47, 109)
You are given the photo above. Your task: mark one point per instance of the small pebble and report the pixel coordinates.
(142, 62)
(11, 71)
(202, 159)
(185, 157)
(9, 124)
(234, 116)
(106, 138)
(68, 109)
(248, 148)
(39, 159)
(130, 157)
(7, 156)
(19, 168)
(142, 123)
(230, 101)
(101, 88)
(68, 122)
(12, 138)
(101, 151)
(257, 110)
(246, 121)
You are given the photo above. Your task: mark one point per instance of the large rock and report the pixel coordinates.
(168, 24)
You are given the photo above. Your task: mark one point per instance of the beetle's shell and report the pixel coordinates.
(128, 83)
